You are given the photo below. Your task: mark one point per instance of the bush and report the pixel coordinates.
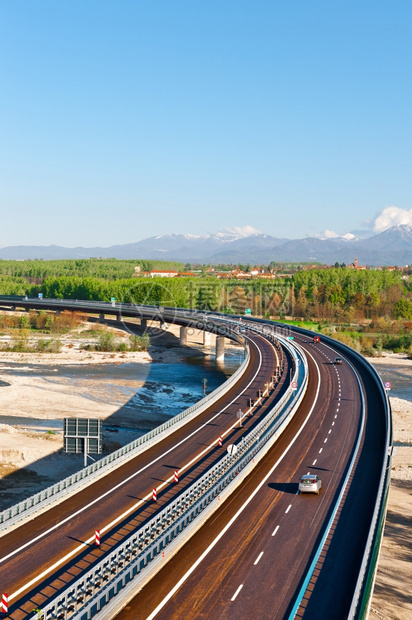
(49, 346)
(139, 343)
(107, 342)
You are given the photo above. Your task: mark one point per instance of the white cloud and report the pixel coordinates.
(392, 216)
(329, 234)
(241, 231)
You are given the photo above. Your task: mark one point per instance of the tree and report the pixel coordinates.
(403, 309)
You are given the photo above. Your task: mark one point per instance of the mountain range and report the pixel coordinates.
(390, 247)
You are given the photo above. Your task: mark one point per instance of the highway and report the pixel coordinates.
(252, 558)
(47, 553)
(268, 552)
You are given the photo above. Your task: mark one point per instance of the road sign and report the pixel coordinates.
(248, 310)
(294, 385)
(40, 295)
(82, 435)
(388, 385)
(290, 338)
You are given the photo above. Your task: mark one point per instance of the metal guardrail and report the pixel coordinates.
(71, 484)
(84, 598)
(364, 587)
(361, 600)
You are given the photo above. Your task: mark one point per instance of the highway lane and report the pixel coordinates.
(255, 568)
(336, 572)
(31, 549)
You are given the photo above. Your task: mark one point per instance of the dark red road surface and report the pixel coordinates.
(257, 567)
(68, 528)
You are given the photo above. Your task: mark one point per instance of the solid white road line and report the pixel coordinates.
(238, 513)
(127, 512)
(101, 497)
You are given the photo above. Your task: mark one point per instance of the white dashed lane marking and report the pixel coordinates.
(237, 592)
(258, 558)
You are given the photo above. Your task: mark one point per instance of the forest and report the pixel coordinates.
(369, 308)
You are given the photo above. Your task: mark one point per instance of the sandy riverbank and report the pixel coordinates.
(29, 459)
(391, 597)
(31, 455)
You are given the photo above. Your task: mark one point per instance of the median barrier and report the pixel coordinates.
(59, 491)
(131, 565)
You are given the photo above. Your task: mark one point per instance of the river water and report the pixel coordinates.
(400, 378)
(146, 394)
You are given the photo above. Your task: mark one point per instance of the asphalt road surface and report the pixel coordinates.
(46, 554)
(251, 559)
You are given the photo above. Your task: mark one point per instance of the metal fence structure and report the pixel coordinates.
(364, 587)
(71, 484)
(131, 560)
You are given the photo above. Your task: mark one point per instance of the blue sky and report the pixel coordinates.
(123, 119)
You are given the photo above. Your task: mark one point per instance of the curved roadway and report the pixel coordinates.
(46, 554)
(254, 556)
(263, 564)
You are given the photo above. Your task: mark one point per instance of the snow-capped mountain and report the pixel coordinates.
(243, 245)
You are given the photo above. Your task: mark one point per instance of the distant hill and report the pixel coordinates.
(391, 247)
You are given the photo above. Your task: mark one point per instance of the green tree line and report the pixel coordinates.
(110, 269)
(342, 294)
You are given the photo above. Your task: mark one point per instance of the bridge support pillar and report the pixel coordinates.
(220, 348)
(143, 324)
(183, 336)
(118, 318)
(207, 338)
(101, 317)
(58, 311)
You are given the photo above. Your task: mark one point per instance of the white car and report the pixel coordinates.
(310, 483)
